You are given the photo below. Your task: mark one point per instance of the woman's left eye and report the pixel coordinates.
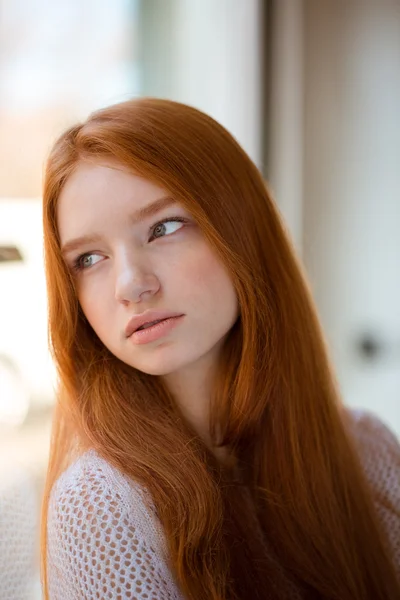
(166, 227)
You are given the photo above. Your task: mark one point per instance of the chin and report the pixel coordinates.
(156, 370)
(158, 367)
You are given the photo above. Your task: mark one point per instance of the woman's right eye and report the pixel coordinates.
(84, 261)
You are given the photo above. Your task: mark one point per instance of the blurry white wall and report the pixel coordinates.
(286, 118)
(23, 312)
(335, 147)
(207, 53)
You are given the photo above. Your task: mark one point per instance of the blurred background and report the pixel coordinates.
(310, 88)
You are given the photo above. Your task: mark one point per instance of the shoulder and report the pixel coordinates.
(102, 532)
(378, 446)
(92, 486)
(379, 452)
(90, 473)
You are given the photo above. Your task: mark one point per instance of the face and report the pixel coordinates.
(139, 258)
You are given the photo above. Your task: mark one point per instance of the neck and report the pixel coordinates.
(192, 388)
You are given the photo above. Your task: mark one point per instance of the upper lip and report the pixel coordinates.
(147, 317)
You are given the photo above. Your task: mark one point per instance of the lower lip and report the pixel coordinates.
(155, 332)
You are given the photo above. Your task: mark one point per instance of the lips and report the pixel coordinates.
(148, 317)
(146, 325)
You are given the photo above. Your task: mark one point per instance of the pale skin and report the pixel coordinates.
(134, 262)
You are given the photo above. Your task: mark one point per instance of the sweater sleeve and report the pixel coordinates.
(103, 541)
(379, 451)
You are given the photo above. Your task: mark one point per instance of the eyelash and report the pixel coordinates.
(77, 266)
(168, 220)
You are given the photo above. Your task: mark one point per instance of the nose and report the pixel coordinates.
(134, 282)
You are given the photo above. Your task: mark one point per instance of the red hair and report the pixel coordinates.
(295, 495)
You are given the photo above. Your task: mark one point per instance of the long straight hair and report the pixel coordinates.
(293, 508)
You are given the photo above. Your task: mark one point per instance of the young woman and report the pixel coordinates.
(200, 447)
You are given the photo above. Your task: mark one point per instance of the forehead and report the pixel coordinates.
(99, 192)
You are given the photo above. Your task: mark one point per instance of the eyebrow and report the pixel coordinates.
(137, 217)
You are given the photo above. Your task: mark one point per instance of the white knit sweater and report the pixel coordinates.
(105, 541)
(18, 532)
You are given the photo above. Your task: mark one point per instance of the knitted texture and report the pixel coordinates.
(106, 542)
(19, 514)
(379, 450)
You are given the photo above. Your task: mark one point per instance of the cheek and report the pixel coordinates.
(205, 279)
(93, 302)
